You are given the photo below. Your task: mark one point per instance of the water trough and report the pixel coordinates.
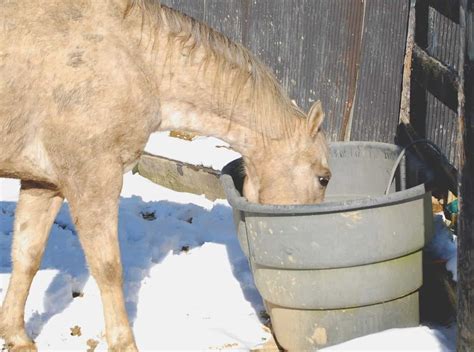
(345, 268)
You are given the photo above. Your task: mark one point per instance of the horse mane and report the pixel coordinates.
(273, 112)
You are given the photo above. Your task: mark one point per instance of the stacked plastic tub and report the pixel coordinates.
(345, 268)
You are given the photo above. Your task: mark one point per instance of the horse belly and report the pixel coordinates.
(22, 152)
(28, 162)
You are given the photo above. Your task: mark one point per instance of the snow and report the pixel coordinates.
(9, 189)
(443, 245)
(206, 151)
(187, 283)
(184, 274)
(420, 338)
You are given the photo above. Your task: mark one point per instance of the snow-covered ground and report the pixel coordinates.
(187, 283)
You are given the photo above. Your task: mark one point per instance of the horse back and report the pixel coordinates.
(69, 86)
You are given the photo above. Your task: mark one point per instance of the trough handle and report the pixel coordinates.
(402, 154)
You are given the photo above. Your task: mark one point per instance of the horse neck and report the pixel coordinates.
(212, 91)
(186, 115)
(189, 102)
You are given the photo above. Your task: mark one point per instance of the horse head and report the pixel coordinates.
(292, 170)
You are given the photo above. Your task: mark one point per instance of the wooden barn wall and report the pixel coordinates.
(376, 113)
(439, 35)
(443, 38)
(313, 48)
(441, 122)
(347, 53)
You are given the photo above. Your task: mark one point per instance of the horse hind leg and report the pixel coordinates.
(94, 208)
(36, 210)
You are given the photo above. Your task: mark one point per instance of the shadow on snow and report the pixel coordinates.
(148, 232)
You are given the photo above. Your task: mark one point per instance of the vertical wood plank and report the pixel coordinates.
(422, 19)
(408, 66)
(442, 127)
(330, 61)
(377, 104)
(313, 48)
(465, 317)
(418, 101)
(443, 39)
(275, 35)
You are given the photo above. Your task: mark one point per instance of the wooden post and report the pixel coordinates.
(465, 316)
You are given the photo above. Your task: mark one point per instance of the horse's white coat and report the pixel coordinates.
(113, 72)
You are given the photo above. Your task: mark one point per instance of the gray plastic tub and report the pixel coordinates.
(304, 330)
(359, 250)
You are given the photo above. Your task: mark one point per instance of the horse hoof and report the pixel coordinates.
(18, 343)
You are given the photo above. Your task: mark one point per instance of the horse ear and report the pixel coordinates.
(315, 118)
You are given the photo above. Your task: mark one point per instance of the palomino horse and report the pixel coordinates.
(83, 84)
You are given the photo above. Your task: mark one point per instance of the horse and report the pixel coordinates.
(83, 84)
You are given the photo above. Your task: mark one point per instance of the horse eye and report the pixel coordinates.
(323, 181)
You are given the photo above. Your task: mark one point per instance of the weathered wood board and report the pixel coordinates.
(465, 317)
(180, 176)
(377, 105)
(435, 107)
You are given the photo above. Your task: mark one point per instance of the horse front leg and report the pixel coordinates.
(36, 210)
(94, 208)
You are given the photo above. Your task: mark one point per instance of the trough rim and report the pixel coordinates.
(239, 202)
